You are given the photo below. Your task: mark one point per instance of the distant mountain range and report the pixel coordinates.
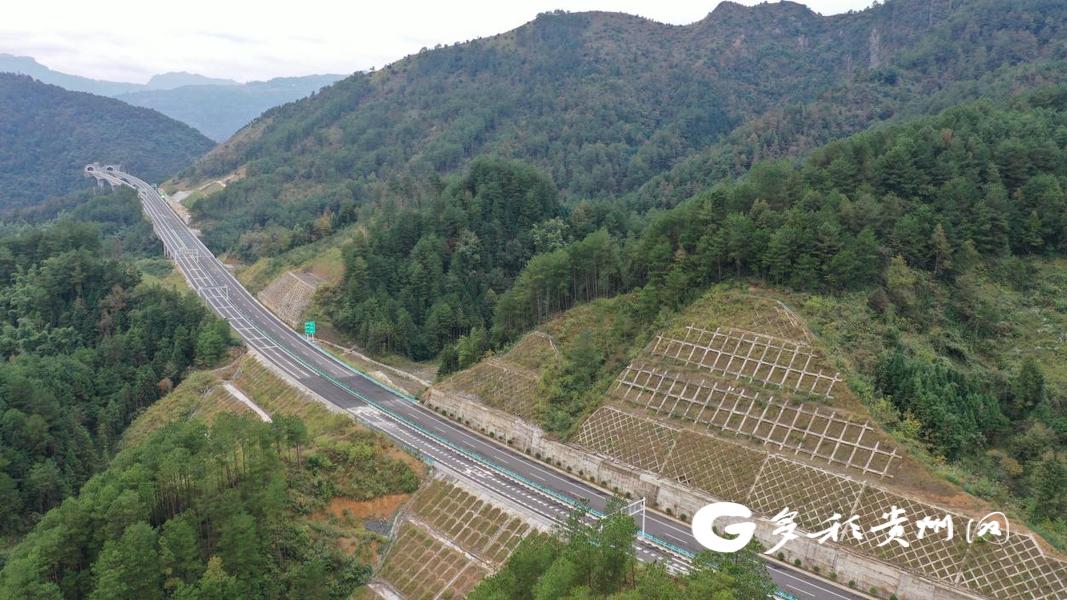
(50, 133)
(215, 107)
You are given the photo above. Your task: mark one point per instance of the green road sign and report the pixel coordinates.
(309, 327)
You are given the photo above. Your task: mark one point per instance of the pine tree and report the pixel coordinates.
(980, 229)
(1031, 235)
(776, 257)
(215, 584)
(239, 546)
(942, 250)
(1049, 500)
(129, 568)
(179, 553)
(210, 346)
(25, 578)
(1027, 388)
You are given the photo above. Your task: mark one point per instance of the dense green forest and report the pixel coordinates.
(422, 277)
(612, 106)
(194, 511)
(988, 50)
(937, 194)
(50, 134)
(597, 561)
(198, 512)
(84, 347)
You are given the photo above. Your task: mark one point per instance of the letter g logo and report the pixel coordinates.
(742, 532)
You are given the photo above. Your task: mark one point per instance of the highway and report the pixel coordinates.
(538, 488)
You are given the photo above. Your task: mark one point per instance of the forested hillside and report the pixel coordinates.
(988, 50)
(937, 194)
(83, 348)
(217, 511)
(50, 134)
(420, 278)
(605, 104)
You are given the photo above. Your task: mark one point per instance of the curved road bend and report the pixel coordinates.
(537, 488)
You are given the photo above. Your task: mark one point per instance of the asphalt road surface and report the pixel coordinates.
(507, 472)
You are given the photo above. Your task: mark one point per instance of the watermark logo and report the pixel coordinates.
(704, 527)
(735, 521)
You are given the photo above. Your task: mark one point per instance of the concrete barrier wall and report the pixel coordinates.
(864, 573)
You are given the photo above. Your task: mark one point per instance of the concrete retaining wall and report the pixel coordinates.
(671, 497)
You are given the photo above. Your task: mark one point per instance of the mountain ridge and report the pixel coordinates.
(214, 106)
(51, 133)
(607, 102)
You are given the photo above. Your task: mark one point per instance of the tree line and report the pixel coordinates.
(597, 561)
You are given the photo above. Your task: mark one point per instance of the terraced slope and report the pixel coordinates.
(447, 541)
(508, 382)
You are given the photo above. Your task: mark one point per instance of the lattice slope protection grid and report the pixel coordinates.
(1015, 569)
(448, 540)
(751, 356)
(419, 566)
(818, 433)
(477, 526)
(633, 440)
(934, 556)
(690, 405)
(510, 381)
(724, 470)
(769, 483)
(814, 493)
(499, 384)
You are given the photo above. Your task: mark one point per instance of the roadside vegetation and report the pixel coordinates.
(84, 347)
(597, 561)
(199, 511)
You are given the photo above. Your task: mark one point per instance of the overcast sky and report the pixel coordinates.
(128, 40)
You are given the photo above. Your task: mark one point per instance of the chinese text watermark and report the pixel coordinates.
(894, 527)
